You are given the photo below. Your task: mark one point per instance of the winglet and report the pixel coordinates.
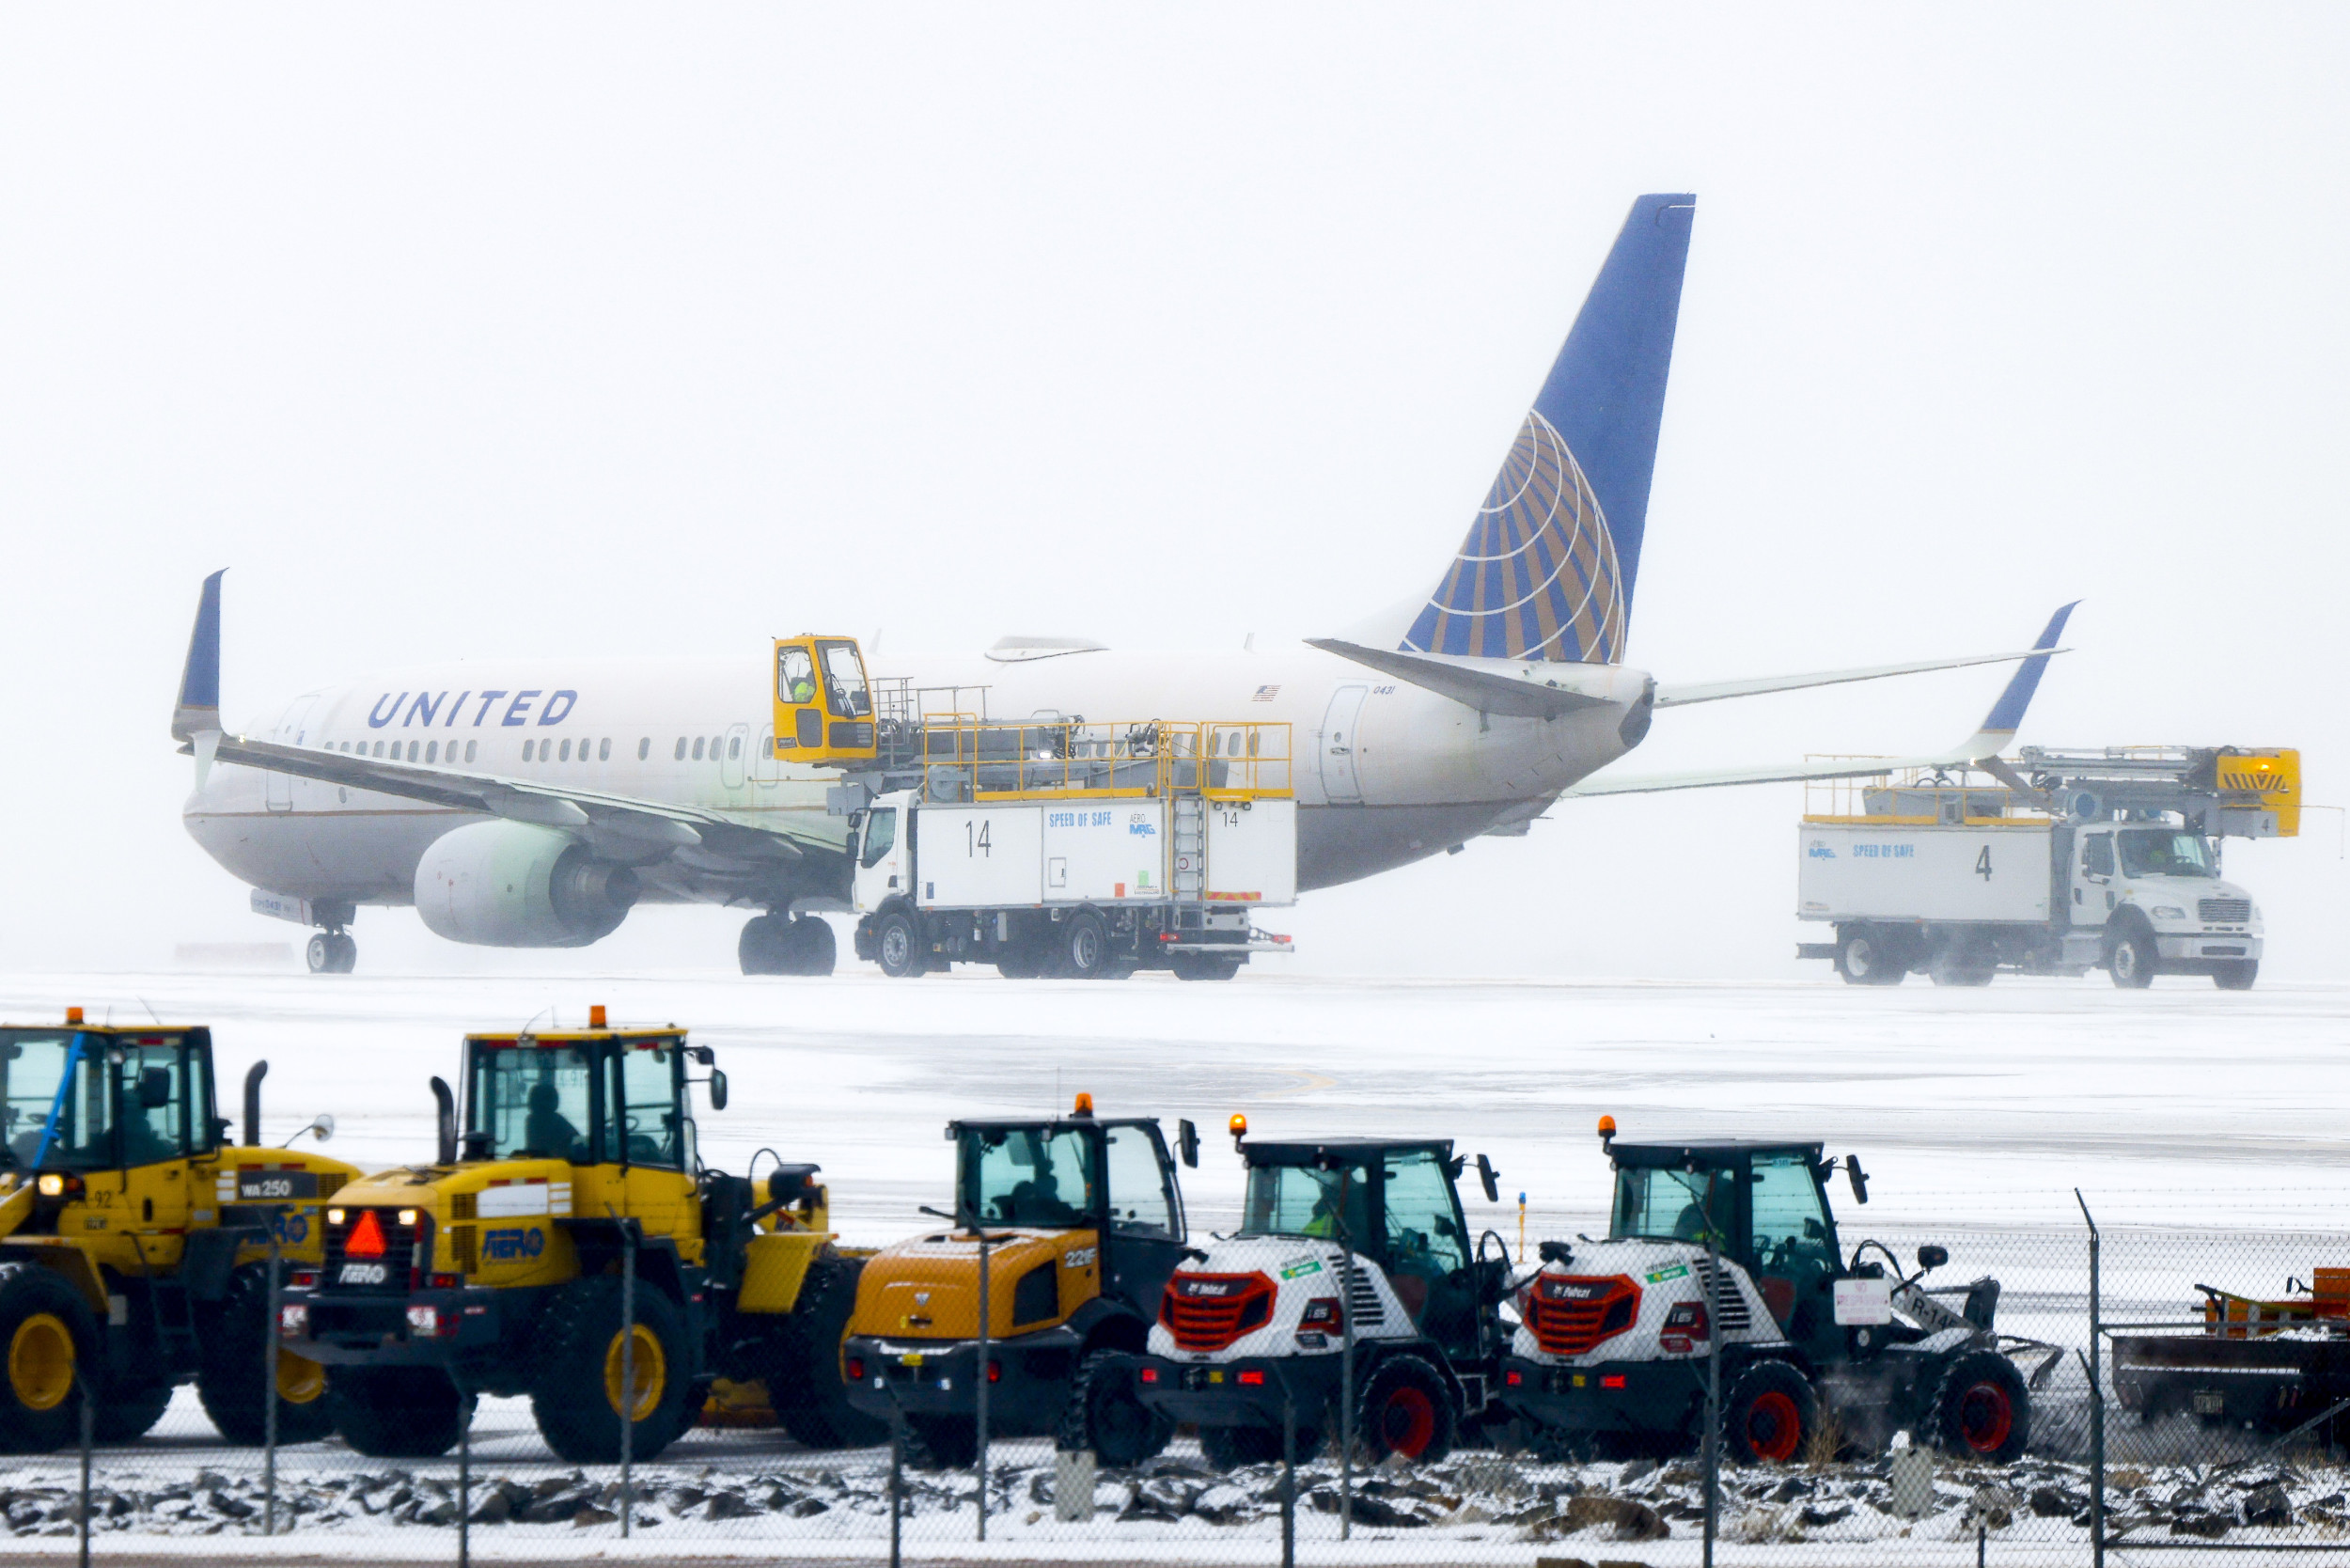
(199, 709)
(2007, 715)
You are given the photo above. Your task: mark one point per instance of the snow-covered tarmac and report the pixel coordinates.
(2179, 1106)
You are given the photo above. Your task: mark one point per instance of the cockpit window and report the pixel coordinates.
(535, 1102)
(1028, 1175)
(795, 674)
(1302, 1200)
(845, 691)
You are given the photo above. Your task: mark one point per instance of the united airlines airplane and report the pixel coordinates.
(535, 803)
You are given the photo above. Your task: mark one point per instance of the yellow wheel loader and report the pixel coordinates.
(570, 1246)
(1079, 1221)
(134, 1239)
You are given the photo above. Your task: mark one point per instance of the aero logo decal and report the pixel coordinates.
(1536, 577)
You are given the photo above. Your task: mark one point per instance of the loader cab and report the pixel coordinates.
(77, 1099)
(1396, 1205)
(1111, 1175)
(823, 701)
(1764, 1206)
(613, 1104)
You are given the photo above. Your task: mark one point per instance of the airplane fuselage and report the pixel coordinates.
(1385, 772)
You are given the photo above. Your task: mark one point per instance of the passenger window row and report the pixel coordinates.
(732, 746)
(418, 752)
(549, 750)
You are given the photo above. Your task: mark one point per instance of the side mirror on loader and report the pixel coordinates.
(717, 1089)
(1187, 1142)
(154, 1088)
(1491, 1178)
(1931, 1257)
(1858, 1178)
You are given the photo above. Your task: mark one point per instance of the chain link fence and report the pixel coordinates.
(2188, 1400)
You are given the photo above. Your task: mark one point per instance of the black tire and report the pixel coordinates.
(761, 948)
(1406, 1408)
(898, 946)
(1228, 1448)
(48, 1341)
(397, 1411)
(805, 1386)
(1103, 1414)
(2133, 958)
(1202, 966)
(1982, 1408)
(1770, 1416)
(1960, 970)
(229, 1370)
(813, 948)
(2236, 974)
(129, 1413)
(942, 1442)
(575, 1391)
(346, 954)
(1082, 947)
(1863, 957)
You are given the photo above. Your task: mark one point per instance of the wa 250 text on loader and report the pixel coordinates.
(134, 1238)
(1065, 1229)
(575, 1205)
(1353, 1265)
(1615, 1337)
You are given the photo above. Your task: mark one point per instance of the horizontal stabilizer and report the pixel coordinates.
(1515, 687)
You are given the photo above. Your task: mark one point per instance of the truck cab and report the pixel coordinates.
(1074, 1224)
(2153, 890)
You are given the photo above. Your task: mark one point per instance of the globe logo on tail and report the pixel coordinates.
(1536, 577)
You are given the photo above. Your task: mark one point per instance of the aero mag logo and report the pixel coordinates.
(512, 1242)
(1820, 851)
(1141, 826)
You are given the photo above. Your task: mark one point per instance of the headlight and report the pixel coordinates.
(2169, 912)
(333, 1216)
(408, 1217)
(52, 1185)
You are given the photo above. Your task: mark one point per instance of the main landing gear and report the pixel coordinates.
(333, 952)
(777, 944)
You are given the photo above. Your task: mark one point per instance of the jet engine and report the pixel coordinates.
(516, 884)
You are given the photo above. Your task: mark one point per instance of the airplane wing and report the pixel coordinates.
(645, 827)
(1998, 729)
(1683, 694)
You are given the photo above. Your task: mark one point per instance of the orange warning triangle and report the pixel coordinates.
(366, 1238)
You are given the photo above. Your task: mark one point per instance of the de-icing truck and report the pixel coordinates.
(1084, 851)
(2066, 861)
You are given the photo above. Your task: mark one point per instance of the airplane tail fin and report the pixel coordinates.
(198, 708)
(1548, 567)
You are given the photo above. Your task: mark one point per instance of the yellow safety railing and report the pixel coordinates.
(1913, 797)
(966, 758)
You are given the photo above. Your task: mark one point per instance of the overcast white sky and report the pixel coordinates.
(462, 331)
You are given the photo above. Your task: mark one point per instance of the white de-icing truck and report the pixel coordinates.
(1078, 849)
(2064, 862)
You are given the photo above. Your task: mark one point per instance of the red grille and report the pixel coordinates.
(1570, 1315)
(1208, 1312)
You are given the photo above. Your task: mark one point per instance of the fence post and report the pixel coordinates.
(897, 1478)
(464, 1483)
(1289, 1474)
(2096, 1392)
(1346, 1362)
(979, 1373)
(89, 1429)
(1712, 1395)
(269, 1392)
(627, 1377)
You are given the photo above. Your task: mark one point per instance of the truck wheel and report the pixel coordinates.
(1202, 966)
(806, 1385)
(2133, 958)
(397, 1411)
(1769, 1416)
(1103, 1414)
(576, 1392)
(1962, 968)
(1406, 1409)
(942, 1442)
(229, 1370)
(1862, 957)
(48, 1334)
(2237, 975)
(897, 946)
(1982, 1410)
(1083, 947)
(130, 1411)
